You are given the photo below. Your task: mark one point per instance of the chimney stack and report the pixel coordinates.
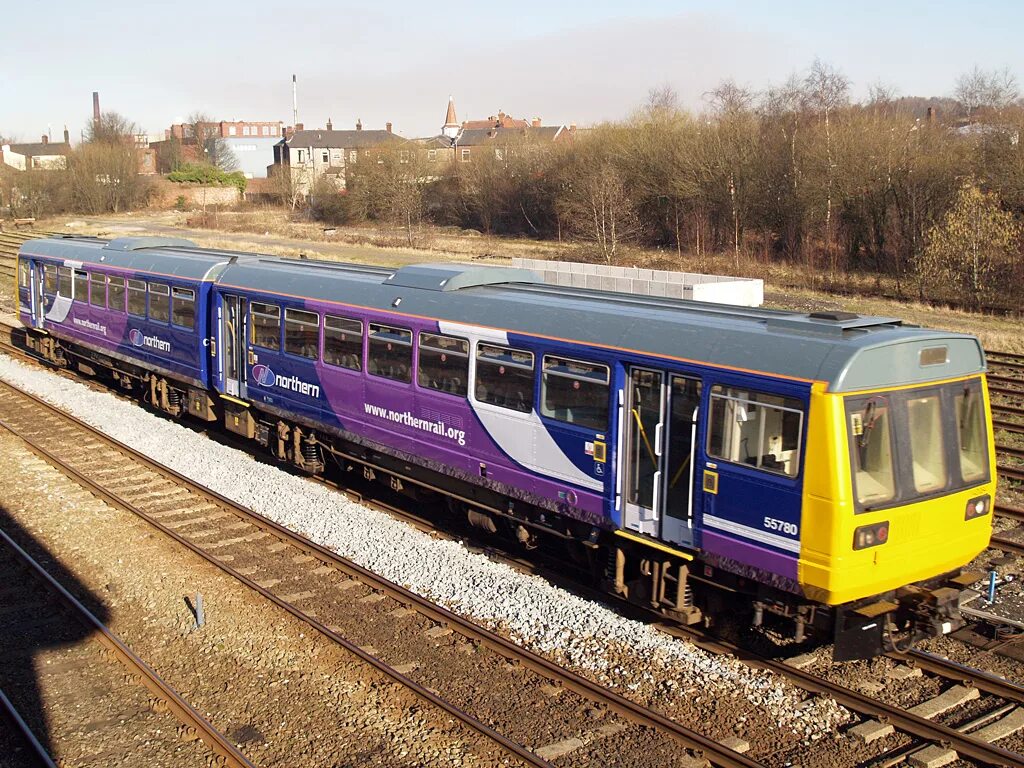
(931, 114)
(96, 109)
(67, 136)
(359, 124)
(46, 139)
(387, 125)
(330, 125)
(300, 127)
(536, 122)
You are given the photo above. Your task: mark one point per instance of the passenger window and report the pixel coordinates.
(137, 298)
(266, 325)
(49, 280)
(115, 293)
(755, 428)
(159, 302)
(343, 342)
(575, 392)
(504, 376)
(64, 287)
(81, 288)
(927, 452)
(98, 290)
(390, 352)
(183, 307)
(870, 428)
(302, 333)
(971, 435)
(444, 364)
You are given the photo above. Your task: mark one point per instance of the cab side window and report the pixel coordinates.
(23, 273)
(266, 325)
(756, 429)
(504, 377)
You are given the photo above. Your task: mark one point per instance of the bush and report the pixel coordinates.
(328, 205)
(180, 203)
(196, 173)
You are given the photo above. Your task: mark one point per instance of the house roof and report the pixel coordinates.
(38, 149)
(473, 137)
(324, 139)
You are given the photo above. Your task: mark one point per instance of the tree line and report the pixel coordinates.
(928, 193)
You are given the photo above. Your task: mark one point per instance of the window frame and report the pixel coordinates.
(544, 389)
(24, 273)
(753, 392)
(467, 355)
(306, 323)
(65, 275)
(253, 312)
(137, 286)
(76, 275)
(360, 358)
(157, 289)
(412, 352)
(92, 285)
(476, 374)
(175, 289)
(50, 279)
(112, 280)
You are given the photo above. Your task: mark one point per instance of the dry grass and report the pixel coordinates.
(273, 231)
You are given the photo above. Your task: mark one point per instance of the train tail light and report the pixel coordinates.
(871, 535)
(978, 507)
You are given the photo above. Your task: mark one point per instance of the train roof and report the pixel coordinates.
(848, 352)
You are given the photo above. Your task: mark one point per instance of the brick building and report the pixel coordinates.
(41, 155)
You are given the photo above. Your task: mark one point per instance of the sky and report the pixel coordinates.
(574, 61)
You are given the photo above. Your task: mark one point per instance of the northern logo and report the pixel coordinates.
(139, 339)
(136, 337)
(263, 375)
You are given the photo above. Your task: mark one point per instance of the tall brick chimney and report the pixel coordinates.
(387, 126)
(359, 124)
(96, 109)
(67, 136)
(330, 125)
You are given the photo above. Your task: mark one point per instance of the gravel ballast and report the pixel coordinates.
(590, 637)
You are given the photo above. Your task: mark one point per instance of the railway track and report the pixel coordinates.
(225, 534)
(922, 729)
(36, 754)
(36, 617)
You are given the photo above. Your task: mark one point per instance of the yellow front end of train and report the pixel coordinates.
(898, 493)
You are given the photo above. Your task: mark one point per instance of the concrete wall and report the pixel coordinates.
(719, 289)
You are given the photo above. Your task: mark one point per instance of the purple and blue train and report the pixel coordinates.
(833, 471)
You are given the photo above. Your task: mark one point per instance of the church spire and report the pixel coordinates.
(451, 123)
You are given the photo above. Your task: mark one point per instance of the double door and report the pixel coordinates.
(661, 412)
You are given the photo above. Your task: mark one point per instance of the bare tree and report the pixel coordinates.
(992, 89)
(211, 147)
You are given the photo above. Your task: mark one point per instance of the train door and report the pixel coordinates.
(656, 462)
(234, 311)
(38, 301)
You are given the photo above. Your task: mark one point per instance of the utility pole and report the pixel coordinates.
(295, 103)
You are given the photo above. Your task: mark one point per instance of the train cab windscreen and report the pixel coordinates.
(918, 443)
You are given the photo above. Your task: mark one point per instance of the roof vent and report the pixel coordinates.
(835, 317)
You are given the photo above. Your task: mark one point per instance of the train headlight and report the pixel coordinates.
(978, 507)
(871, 535)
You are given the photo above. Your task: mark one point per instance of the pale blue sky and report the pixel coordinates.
(567, 61)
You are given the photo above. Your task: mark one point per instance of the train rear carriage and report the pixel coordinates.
(135, 307)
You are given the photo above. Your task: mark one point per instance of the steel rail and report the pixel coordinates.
(8, 710)
(969, 676)
(1008, 510)
(1006, 545)
(182, 710)
(637, 713)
